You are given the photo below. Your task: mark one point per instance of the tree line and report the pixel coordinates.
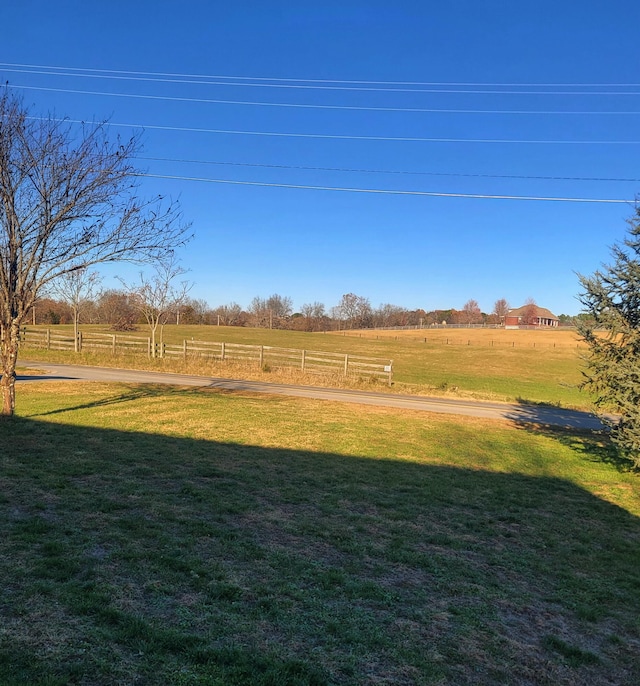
(156, 301)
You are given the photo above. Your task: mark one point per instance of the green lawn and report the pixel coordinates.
(155, 535)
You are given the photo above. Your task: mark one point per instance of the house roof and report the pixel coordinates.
(541, 312)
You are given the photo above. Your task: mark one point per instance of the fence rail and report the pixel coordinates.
(312, 361)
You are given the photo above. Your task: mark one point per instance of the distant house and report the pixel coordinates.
(530, 315)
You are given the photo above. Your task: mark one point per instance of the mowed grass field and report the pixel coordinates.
(154, 535)
(491, 364)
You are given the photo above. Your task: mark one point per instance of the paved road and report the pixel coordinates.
(520, 413)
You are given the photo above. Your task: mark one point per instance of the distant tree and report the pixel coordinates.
(155, 296)
(529, 315)
(389, 315)
(471, 312)
(229, 315)
(500, 309)
(417, 318)
(280, 307)
(115, 308)
(440, 316)
(612, 300)
(313, 314)
(77, 289)
(51, 311)
(272, 312)
(192, 311)
(354, 311)
(567, 320)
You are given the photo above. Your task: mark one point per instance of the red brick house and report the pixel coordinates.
(540, 317)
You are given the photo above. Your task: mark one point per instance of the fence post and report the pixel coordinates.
(222, 350)
(48, 339)
(346, 364)
(304, 352)
(261, 356)
(184, 348)
(390, 371)
(113, 344)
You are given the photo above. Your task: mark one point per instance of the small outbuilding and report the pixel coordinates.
(530, 315)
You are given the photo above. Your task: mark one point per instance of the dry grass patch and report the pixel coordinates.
(533, 338)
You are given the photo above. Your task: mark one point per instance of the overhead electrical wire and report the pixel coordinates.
(323, 85)
(307, 85)
(423, 110)
(382, 191)
(385, 171)
(63, 71)
(325, 136)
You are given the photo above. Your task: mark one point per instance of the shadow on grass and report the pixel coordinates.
(138, 392)
(592, 445)
(149, 559)
(553, 416)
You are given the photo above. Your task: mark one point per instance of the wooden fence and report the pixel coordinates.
(312, 361)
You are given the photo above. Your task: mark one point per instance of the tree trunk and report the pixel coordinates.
(8, 384)
(76, 323)
(8, 360)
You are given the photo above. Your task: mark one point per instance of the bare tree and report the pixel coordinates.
(76, 289)
(115, 307)
(193, 311)
(355, 311)
(500, 309)
(530, 313)
(471, 312)
(313, 314)
(68, 200)
(390, 315)
(229, 315)
(272, 312)
(157, 295)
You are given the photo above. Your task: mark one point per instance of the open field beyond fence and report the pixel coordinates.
(532, 366)
(489, 337)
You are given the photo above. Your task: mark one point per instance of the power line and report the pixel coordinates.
(385, 171)
(381, 191)
(328, 136)
(339, 81)
(322, 107)
(306, 86)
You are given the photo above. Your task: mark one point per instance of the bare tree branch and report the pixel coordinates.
(68, 201)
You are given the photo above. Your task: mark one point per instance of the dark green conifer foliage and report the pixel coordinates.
(612, 297)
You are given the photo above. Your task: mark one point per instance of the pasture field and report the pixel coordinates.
(492, 364)
(154, 535)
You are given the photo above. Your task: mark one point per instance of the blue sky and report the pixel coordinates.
(558, 80)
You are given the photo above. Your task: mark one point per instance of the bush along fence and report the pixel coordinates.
(312, 361)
